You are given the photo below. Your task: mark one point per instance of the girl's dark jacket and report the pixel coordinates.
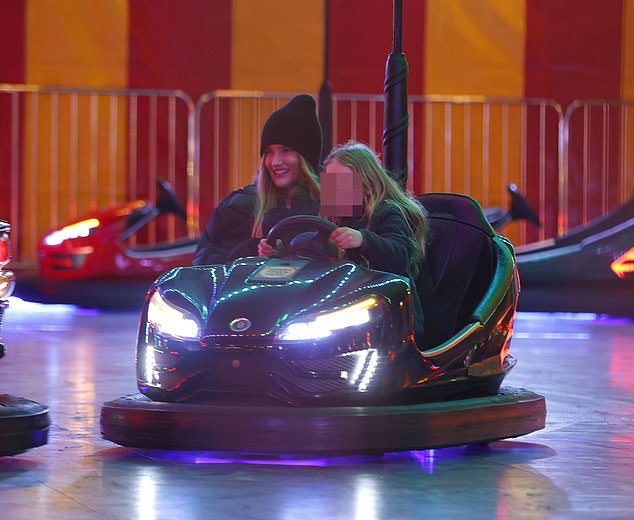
(389, 245)
(228, 232)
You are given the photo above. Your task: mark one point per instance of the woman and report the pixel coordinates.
(286, 184)
(378, 222)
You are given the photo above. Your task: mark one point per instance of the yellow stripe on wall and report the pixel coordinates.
(75, 146)
(277, 45)
(475, 47)
(76, 43)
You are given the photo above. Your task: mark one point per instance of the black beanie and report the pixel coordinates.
(295, 125)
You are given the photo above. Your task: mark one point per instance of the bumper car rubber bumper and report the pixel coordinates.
(136, 421)
(24, 425)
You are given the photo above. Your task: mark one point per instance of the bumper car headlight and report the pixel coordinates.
(170, 320)
(324, 325)
(77, 230)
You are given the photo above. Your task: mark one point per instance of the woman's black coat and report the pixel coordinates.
(228, 232)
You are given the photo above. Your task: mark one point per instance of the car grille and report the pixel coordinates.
(345, 363)
(236, 344)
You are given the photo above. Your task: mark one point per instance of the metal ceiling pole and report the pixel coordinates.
(396, 119)
(325, 92)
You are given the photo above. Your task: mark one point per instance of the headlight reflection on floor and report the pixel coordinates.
(366, 493)
(146, 503)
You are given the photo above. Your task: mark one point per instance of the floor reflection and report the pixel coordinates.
(496, 479)
(75, 360)
(147, 501)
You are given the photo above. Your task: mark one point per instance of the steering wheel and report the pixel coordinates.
(307, 235)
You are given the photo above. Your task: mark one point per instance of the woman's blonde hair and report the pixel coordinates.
(268, 193)
(379, 187)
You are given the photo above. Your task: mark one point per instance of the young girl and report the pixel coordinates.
(286, 185)
(377, 220)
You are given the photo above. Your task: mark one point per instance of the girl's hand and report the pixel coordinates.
(346, 238)
(266, 249)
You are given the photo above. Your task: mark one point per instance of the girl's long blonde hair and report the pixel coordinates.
(268, 193)
(379, 187)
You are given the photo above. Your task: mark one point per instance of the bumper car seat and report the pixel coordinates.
(458, 268)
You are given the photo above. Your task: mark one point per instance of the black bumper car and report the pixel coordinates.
(589, 269)
(23, 423)
(308, 353)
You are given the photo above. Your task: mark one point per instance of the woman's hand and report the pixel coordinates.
(346, 238)
(266, 249)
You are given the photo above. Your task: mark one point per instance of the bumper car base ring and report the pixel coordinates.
(136, 421)
(24, 424)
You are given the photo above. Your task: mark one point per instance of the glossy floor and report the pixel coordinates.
(580, 466)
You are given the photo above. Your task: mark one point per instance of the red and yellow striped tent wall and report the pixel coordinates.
(502, 48)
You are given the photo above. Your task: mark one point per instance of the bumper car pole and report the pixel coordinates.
(395, 114)
(325, 91)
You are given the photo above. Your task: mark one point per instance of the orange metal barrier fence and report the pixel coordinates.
(470, 145)
(598, 161)
(67, 151)
(64, 152)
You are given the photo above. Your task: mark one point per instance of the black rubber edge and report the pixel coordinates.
(135, 421)
(19, 434)
(102, 293)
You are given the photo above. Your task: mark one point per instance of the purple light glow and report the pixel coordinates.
(86, 312)
(425, 458)
(604, 319)
(598, 319)
(209, 457)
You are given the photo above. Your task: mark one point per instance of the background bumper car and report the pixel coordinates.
(90, 261)
(589, 269)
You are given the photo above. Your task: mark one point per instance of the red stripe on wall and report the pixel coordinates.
(573, 50)
(357, 64)
(12, 70)
(357, 59)
(182, 45)
(12, 38)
